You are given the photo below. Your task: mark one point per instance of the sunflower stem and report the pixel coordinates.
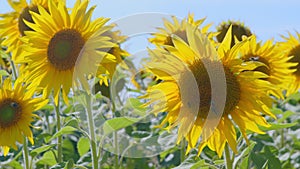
(26, 154)
(116, 142)
(182, 150)
(59, 138)
(116, 150)
(13, 68)
(282, 138)
(228, 158)
(92, 132)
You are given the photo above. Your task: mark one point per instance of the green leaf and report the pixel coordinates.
(83, 146)
(15, 164)
(70, 164)
(65, 130)
(69, 149)
(295, 97)
(219, 162)
(273, 161)
(48, 158)
(199, 164)
(276, 126)
(136, 106)
(286, 115)
(3, 54)
(73, 123)
(4, 73)
(164, 154)
(39, 150)
(244, 157)
(47, 107)
(276, 111)
(118, 123)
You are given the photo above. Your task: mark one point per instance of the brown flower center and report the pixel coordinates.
(296, 59)
(205, 89)
(10, 113)
(64, 49)
(238, 31)
(25, 15)
(263, 69)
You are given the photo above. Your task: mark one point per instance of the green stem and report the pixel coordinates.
(26, 154)
(14, 70)
(59, 138)
(227, 157)
(116, 142)
(116, 150)
(92, 132)
(282, 138)
(182, 150)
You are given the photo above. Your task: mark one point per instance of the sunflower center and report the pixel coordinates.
(296, 59)
(238, 30)
(64, 49)
(263, 69)
(25, 15)
(205, 90)
(10, 112)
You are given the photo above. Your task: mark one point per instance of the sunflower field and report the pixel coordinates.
(199, 95)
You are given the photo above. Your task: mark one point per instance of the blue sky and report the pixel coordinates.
(266, 18)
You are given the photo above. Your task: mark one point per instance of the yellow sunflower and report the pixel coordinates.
(16, 114)
(208, 117)
(12, 25)
(163, 37)
(275, 65)
(291, 48)
(65, 48)
(238, 30)
(107, 70)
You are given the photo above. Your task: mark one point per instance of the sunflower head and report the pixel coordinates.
(290, 48)
(164, 36)
(274, 64)
(203, 91)
(16, 113)
(13, 24)
(65, 48)
(238, 30)
(117, 52)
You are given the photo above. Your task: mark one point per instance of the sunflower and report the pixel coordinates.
(107, 70)
(238, 30)
(65, 48)
(291, 48)
(13, 27)
(16, 114)
(163, 37)
(275, 65)
(185, 72)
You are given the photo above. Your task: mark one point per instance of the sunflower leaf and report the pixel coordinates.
(276, 126)
(65, 130)
(286, 115)
(4, 73)
(39, 150)
(118, 123)
(83, 146)
(244, 157)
